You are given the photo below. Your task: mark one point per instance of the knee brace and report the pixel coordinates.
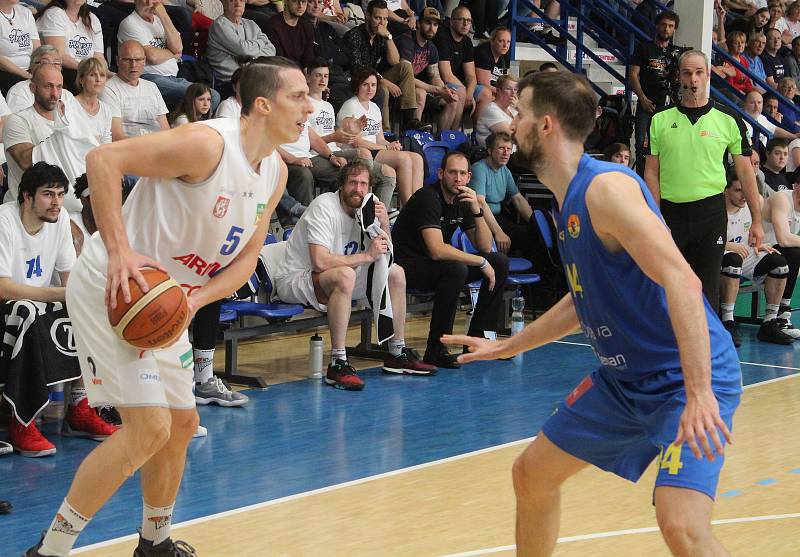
(779, 272)
(775, 266)
(732, 265)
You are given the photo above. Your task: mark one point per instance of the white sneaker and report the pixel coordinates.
(786, 325)
(201, 432)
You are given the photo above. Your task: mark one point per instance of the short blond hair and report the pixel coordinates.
(87, 66)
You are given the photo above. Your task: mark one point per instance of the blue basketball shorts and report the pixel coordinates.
(621, 426)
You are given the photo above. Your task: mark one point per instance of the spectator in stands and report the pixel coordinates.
(735, 76)
(492, 59)
(330, 261)
(333, 15)
(548, 67)
(774, 167)
(757, 24)
(90, 83)
(232, 106)
(498, 114)
(402, 18)
(365, 117)
(136, 101)
(685, 173)
(371, 45)
(788, 88)
(485, 16)
(793, 61)
(457, 59)
(20, 96)
(291, 33)
(552, 9)
(652, 75)
(793, 21)
(329, 45)
(774, 64)
(422, 247)
(195, 106)
(755, 47)
(762, 265)
(502, 204)
(19, 39)
(36, 253)
(753, 106)
(763, 189)
(69, 26)
(261, 11)
(151, 27)
(418, 49)
(232, 40)
(619, 153)
(778, 22)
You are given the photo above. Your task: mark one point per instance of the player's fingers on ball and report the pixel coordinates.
(137, 275)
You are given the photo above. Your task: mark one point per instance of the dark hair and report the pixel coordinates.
(493, 138)
(547, 65)
(186, 106)
(236, 76)
(262, 78)
(317, 62)
(452, 154)
(355, 166)
(730, 177)
(498, 29)
(377, 5)
(776, 142)
(567, 96)
(672, 16)
(769, 97)
(615, 148)
(360, 75)
(83, 13)
(40, 175)
(81, 185)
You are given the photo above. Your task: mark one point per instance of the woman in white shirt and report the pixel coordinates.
(69, 26)
(90, 83)
(498, 114)
(18, 38)
(195, 106)
(362, 116)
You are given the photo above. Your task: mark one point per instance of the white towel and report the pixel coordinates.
(378, 271)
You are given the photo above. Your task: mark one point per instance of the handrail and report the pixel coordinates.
(746, 71)
(720, 96)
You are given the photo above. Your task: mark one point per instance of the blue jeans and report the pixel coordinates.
(173, 89)
(642, 134)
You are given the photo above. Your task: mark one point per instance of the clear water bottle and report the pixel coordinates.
(517, 317)
(315, 357)
(56, 409)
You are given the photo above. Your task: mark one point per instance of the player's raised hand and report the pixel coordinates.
(699, 421)
(124, 265)
(479, 348)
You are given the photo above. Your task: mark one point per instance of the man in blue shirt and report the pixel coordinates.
(755, 47)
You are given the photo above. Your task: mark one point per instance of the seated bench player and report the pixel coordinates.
(328, 262)
(36, 255)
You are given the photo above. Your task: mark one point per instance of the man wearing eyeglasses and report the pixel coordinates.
(137, 101)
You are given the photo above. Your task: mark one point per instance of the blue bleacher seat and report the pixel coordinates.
(287, 233)
(544, 228)
(434, 152)
(453, 138)
(227, 315)
(421, 137)
(515, 264)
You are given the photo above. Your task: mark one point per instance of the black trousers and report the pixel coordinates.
(699, 228)
(446, 279)
(205, 326)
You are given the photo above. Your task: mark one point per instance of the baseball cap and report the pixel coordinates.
(431, 13)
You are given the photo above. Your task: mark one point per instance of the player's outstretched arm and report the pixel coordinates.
(559, 321)
(623, 221)
(165, 154)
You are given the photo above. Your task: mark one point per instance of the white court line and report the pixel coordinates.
(304, 494)
(615, 533)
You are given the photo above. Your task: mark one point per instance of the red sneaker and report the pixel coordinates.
(341, 375)
(408, 363)
(29, 441)
(84, 421)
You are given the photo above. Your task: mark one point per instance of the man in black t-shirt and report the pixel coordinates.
(653, 76)
(775, 67)
(421, 246)
(774, 168)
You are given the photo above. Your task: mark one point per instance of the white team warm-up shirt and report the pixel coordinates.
(17, 36)
(323, 120)
(739, 225)
(20, 97)
(100, 122)
(353, 107)
(302, 147)
(26, 126)
(34, 260)
(134, 28)
(139, 106)
(194, 230)
(80, 41)
(229, 108)
(793, 217)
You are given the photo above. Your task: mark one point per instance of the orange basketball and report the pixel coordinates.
(152, 320)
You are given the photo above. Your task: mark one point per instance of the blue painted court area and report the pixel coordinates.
(301, 436)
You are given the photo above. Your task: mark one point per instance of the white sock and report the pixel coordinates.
(786, 303)
(63, 532)
(771, 312)
(727, 312)
(338, 354)
(203, 365)
(396, 346)
(77, 395)
(156, 522)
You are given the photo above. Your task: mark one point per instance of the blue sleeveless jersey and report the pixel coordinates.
(622, 311)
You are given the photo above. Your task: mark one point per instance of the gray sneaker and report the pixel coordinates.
(214, 391)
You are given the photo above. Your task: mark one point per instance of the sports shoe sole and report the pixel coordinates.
(220, 401)
(785, 342)
(35, 454)
(406, 371)
(67, 431)
(336, 385)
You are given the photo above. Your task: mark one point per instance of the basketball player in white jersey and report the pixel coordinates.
(204, 202)
(762, 264)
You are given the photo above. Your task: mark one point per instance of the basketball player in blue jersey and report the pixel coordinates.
(669, 380)
(204, 202)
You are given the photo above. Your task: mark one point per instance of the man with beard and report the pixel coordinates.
(669, 373)
(418, 49)
(652, 78)
(327, 262)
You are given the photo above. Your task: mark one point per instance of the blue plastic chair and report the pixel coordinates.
(453, 138)
(515, 264)
(287, 233)
(434, 155)
(421, 137)
(544, 228)
(227, 315)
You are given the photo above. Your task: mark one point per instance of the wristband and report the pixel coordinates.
(484, 264)
(478, 214)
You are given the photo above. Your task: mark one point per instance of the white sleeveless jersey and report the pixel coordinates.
(194, 230)
(739, 225)
(793, 217)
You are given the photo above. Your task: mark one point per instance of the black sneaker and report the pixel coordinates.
(110, 415)
(408, 363)
(34, 551)
(440, 357)
(731, 327)
(772, 331)
(418, 125)
(341, 375)
(167, 548)
(5, 507)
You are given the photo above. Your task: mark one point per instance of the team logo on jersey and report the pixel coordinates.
(260, 211)
(580, 390)
(221, 206)
(574, 226)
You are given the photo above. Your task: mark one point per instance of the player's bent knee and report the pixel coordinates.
(345, 278)
(683, 535)
(397, 276)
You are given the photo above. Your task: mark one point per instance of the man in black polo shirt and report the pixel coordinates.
(422, 247)
(653, 75)
(774, 168)
(774, 64)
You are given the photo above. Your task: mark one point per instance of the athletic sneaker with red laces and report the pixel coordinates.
(408, 362)
(29, 441)
(341, 375)
(84, 421)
